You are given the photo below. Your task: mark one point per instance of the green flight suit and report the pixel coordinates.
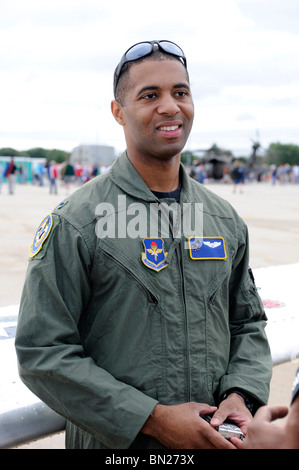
(104, 333)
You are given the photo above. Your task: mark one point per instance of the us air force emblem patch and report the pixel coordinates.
(41, 235)
(154, 256)
(201, 248)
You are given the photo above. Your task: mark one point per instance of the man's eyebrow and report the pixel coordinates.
(147, 88)
(182, 85)
(154, 87)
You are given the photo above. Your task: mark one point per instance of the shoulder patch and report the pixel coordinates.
(41, 235)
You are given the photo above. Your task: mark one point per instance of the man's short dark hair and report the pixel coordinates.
(123, 80)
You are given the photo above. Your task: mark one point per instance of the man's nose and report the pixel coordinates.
(168, 105)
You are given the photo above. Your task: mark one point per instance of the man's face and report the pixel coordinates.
(157, 110)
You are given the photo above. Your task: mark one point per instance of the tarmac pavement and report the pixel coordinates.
(271, 213)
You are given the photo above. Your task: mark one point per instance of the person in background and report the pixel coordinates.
(10, 174)
(52, 174)
(1, 177)
(68, 174)
(238, 177)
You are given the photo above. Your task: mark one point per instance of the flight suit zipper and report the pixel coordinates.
(186, 322)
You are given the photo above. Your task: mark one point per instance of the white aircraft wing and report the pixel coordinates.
(23, 416)
(279, 289)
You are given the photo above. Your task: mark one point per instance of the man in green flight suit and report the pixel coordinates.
(131, 331)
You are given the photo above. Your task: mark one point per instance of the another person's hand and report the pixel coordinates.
(262, 433)
(292, 426)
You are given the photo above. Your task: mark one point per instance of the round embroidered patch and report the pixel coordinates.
(41, 235)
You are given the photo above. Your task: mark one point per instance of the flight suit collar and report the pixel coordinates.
(124, 175)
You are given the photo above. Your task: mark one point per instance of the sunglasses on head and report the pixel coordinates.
(145, 48)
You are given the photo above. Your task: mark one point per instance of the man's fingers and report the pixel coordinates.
(271, 413)
(206, 409)
(237, 442)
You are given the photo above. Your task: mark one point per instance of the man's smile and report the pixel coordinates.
(170, 130)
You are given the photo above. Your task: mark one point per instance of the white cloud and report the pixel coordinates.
(57, 60)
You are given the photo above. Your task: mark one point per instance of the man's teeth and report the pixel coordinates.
(169, 128)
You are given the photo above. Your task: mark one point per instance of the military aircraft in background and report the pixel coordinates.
(218, 162)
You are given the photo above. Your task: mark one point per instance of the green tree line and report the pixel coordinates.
(279, 154)
(276, 153)
(57, 155)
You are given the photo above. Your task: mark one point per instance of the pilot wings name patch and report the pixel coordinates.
(154, 256)
(201, 248)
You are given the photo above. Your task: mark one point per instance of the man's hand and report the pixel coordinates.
(233, 408)
(181, 427)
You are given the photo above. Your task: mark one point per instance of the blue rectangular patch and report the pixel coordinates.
(207, 248)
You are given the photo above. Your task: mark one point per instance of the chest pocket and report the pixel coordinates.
(207, 268)
(121, 260)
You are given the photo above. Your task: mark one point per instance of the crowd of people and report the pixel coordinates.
(238, 173)
(285, 174)
(66, 172)
(51, 173)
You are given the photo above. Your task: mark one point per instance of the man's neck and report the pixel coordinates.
(158, 175)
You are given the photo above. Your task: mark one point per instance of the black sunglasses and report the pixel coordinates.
(142, 49)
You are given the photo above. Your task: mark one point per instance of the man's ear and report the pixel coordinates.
(117, 112)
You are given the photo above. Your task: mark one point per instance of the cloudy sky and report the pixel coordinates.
(57, 60)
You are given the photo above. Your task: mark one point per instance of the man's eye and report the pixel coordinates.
(181, 93)
(149, 96)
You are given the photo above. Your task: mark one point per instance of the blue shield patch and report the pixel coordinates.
(41, 235)
(201, 248)
(154, 255)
